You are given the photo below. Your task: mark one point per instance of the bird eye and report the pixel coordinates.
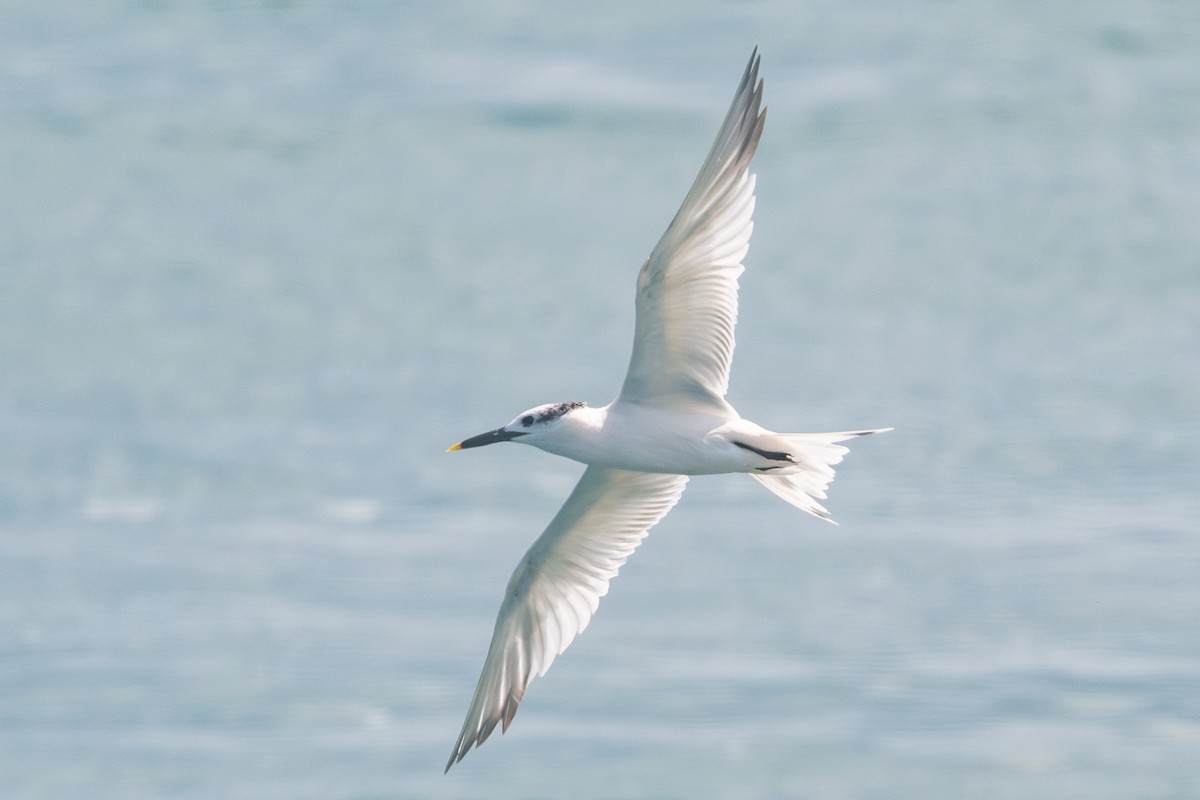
(527, 420)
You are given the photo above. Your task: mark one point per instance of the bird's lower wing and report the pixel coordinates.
(687, 289)
(558, 585)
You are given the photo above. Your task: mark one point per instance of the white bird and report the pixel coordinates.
(669, 421)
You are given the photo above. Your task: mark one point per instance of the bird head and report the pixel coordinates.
(528, 427)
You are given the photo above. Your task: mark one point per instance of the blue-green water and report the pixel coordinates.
(261, 263)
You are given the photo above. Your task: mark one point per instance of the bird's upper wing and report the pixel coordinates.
(558, 585)
(687, 289)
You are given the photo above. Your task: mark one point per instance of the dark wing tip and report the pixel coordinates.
(476, 740)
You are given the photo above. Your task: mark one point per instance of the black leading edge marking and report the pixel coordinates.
(773, 455)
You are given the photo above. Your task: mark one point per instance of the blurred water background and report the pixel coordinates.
(260, 263)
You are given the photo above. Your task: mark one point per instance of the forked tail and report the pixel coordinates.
(814, 455)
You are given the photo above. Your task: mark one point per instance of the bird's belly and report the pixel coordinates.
(677, 445)
(683, 461)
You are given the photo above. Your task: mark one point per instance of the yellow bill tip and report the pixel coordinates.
(454, 447)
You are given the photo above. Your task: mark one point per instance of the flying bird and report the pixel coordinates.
(670, 420)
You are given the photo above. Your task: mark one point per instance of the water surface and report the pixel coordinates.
(263, 263)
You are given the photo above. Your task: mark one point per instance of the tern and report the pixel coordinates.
(670, 420)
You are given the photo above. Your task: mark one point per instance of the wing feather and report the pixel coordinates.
(687, 289)
(558, 584)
